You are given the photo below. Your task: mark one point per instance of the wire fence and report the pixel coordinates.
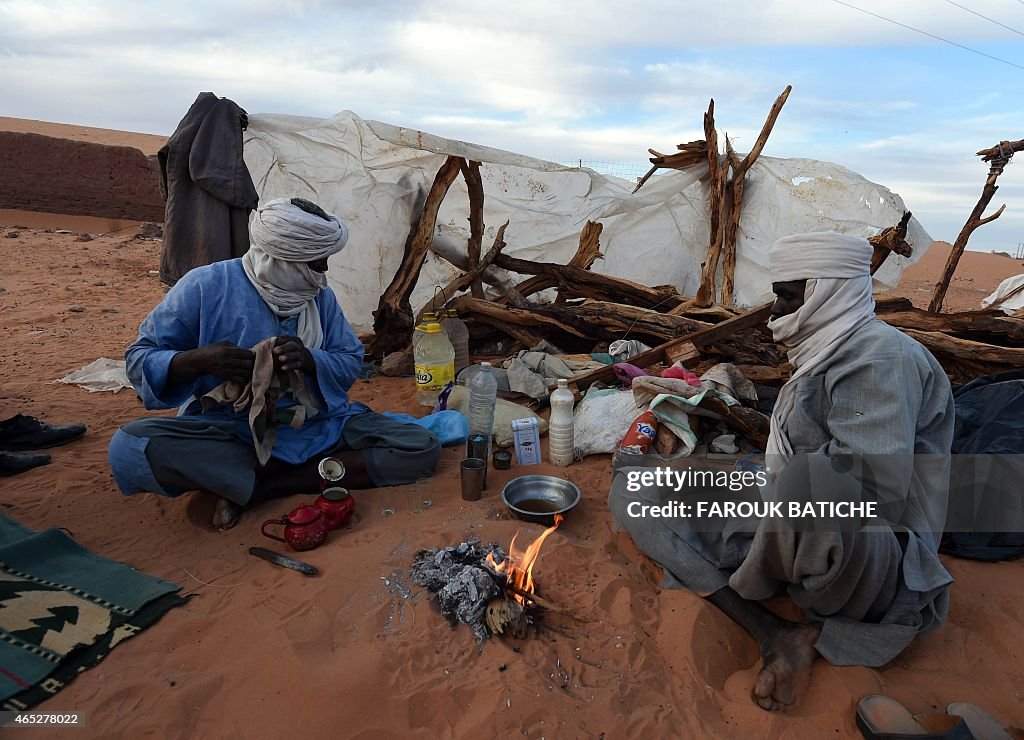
(631, 171)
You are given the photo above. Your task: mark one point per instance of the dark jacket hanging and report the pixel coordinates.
(207, 187)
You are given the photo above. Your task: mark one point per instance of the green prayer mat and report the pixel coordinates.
(63, 609)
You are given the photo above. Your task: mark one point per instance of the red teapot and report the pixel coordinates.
(305, 528)
(337, 506)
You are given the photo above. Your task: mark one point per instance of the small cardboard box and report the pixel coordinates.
(527, 441)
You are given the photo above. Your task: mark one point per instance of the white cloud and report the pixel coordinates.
(591, 80)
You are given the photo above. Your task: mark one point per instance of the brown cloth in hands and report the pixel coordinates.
(261, 394)
(208, 189)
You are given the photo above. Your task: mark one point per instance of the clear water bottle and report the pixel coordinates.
(483, 397)
(560, 426)
(435, 364)
(458, 334)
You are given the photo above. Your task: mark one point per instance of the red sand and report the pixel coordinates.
(264, 652)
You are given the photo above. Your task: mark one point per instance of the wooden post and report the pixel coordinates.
(393, 320)
(739, 174)
(475, 188)
(717, 172)
(999, 156)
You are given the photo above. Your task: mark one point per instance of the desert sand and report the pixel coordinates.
(359, 651)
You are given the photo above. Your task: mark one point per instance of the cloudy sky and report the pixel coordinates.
(569, 80)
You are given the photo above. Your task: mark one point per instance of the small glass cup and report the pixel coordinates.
(418, 495)
(388, 501)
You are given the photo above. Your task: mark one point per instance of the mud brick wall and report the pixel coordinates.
(43, 173)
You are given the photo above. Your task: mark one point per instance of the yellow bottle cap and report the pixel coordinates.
(432, 329)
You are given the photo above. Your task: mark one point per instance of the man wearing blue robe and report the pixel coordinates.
(200, 336)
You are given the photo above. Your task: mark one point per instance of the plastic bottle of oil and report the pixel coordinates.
(435, 363)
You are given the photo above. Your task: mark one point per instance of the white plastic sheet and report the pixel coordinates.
(1008, 297)
(375, 176)
(103, 374)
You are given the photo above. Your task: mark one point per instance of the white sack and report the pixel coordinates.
(601, 420)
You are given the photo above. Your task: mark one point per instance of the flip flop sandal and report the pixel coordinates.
(982, 725)
(882, 718)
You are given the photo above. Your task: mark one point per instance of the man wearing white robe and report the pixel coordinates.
(866, 416)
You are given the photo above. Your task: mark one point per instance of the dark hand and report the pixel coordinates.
(223, 360)
(291, 354)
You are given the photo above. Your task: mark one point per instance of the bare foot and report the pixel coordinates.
(786, 653)
(225, 515)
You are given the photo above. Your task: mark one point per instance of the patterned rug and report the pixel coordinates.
(63, 609)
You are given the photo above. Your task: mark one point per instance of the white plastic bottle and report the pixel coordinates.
(483, 397)
(435, 364)
(560, 426)
(458, 334)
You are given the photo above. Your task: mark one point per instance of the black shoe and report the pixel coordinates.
(28, 433)
(12, 463)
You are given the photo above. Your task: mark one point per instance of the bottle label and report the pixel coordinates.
(434, 377)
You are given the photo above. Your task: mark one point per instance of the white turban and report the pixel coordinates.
(821, 254)
(837, 302)
(283, 238)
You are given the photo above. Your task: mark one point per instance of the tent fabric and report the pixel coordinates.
(1008, 297)
(375, 176)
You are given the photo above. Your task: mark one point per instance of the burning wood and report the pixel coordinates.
(517, 568)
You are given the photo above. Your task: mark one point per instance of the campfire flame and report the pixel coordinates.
(518, 568)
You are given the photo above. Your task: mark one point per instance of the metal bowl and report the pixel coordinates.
(537, 498)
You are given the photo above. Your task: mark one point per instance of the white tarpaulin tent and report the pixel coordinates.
(374, 176)
(1008, 297)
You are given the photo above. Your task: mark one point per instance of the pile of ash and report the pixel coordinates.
(462, 580)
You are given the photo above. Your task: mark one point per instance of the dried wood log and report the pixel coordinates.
(766, 374)
(544, 603)
(739, 174)
(475, 188)
(717, 170)
(749, 423)
(588, 252)
(892, 239)
(581, 283)
(689, 155)
(393, 320)
(465, 280)
(943, 345)
(1002, 150)
(991, 325)
(597, 320)
(714, 313)
(999, 156)
(686, 353)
